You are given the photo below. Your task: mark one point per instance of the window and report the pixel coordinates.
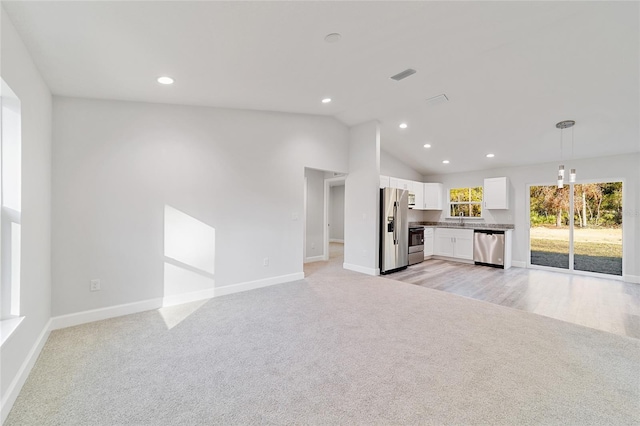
(10, 202)
(465, 202)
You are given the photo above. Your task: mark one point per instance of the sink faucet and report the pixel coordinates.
(461, 214)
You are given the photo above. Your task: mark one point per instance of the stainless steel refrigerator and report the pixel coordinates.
(394, 230)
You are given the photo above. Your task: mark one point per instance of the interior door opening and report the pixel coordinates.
(577, 228)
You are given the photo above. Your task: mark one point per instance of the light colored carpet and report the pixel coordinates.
(336, 348)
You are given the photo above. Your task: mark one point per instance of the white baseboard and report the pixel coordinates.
(250, 285)
(335, 240)
(70, 320)
(361, 269)
(194, 296)
(518, 264)
(15, 387)
(314, 259)
(635, 279)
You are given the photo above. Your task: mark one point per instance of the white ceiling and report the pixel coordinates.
(510, 69)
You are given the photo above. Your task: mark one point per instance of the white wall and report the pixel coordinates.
(391, 166)
(116, 165)
(623, 167)
(20, 73)
(362, 198)
(336, 213)
(314, 237)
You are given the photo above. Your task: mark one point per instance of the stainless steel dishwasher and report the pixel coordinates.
(488, 248)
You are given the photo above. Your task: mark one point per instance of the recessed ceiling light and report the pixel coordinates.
(490, 155)
(445, 161)
(403, 125)
(326, 100)
(426, 145)
(332, 38)
(165, 80)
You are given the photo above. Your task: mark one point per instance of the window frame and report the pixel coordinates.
(479, 203)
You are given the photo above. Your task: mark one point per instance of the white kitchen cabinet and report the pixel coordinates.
(428, 242)
(433, 194)
(455, 243)
(418, 190)
(496, 193)
(399, 183)
(384, 181)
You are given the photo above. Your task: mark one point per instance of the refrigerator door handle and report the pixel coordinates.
(395, 228)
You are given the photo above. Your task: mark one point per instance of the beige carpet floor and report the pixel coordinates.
(336, 348)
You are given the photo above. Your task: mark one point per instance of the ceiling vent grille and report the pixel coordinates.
(437, 99)
(402, 75)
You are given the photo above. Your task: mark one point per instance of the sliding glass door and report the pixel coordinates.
(597, 230)
(578, 227)
(549, 226)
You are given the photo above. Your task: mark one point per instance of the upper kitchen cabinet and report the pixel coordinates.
(496, 193)
(400, 183)
(385, 181)
(432, 196)
(418, 191)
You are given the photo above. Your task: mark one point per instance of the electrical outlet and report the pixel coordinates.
(95, 285)
(265, 262)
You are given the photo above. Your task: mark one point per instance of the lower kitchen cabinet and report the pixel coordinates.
(428, 242)
(455, 243)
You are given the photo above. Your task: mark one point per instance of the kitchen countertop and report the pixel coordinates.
(466, 225)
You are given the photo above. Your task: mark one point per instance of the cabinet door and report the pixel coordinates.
(496, 193)
(443, 243)
(428, 242)
(464, 246)
(384, 181)
(399, 183)
(418, 190)
(432, 196)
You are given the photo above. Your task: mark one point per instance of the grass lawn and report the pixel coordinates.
(601, 252)
(581, 248)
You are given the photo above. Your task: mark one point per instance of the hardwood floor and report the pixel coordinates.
(608, 305)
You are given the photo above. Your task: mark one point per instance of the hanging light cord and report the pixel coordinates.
(572, 130)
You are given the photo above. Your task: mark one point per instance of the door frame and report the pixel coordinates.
(327, 202)
(571, 227)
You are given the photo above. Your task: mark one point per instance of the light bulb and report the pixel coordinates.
(561, 171)
(560, 181)
(572, 176)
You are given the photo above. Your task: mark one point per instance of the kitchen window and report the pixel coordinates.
(465, 202)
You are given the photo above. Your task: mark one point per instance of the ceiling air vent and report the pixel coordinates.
(402, 75)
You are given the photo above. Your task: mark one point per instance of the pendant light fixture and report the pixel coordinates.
(572, 175)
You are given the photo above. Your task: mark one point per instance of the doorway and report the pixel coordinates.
(323, 214)
(577, 228)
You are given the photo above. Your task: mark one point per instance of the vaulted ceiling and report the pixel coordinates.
(510, 70)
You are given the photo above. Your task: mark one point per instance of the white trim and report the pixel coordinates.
(327, 202)
(635, 279)
(70, 320)
(15, 387)
(361, 269)
(178, 299)
(315, 259)
(7, 327)
(518, 264)
(250, 285)
(336, 240)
